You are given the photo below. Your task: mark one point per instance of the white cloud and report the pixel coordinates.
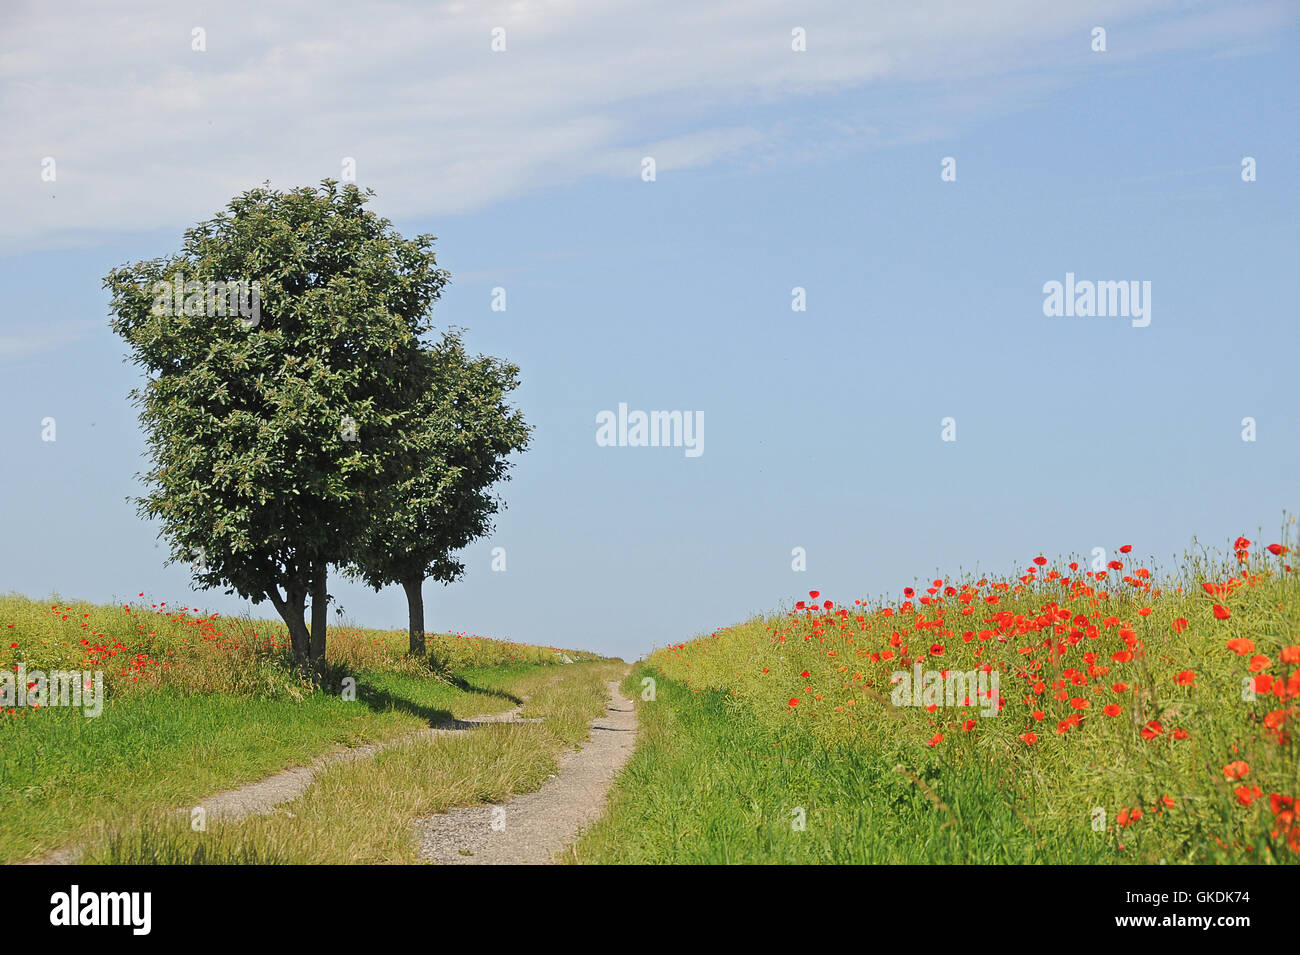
(147, 133)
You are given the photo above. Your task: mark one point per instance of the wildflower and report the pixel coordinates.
(1236, 770)
(1247, 794)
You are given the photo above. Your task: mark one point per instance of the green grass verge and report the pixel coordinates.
(363, 812)
(709, 785)
(63, 775)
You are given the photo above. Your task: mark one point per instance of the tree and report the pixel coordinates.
(282, 358)
(457, 449)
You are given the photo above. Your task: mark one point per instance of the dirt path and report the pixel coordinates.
(532, 829)
(265, 794)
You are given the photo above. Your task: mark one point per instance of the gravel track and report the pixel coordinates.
(531, 829)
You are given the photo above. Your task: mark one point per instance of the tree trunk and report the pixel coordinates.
(415, 613)
(319, 615)
(291, 608)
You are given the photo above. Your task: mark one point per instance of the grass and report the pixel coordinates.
(1139, 724)
(195, 704)
(363, 813)
(139, 648)
(709, 785)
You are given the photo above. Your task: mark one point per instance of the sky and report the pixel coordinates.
(920, 416)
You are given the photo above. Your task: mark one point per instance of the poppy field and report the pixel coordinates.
(140, 646)
(1116, 714)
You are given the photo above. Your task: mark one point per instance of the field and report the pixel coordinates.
(1062, 715)
(194, 703)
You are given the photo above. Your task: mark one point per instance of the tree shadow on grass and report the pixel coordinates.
(381, 701)
(461, 683)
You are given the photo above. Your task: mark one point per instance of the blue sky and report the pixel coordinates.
(775, 169)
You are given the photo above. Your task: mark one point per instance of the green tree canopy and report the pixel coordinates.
(458, 447)
(276, 416)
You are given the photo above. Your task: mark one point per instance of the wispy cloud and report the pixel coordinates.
(147, 132)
